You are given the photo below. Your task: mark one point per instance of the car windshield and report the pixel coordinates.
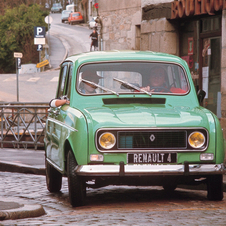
(66, 12)
(56, 5)
(130, 77)
(75, 14)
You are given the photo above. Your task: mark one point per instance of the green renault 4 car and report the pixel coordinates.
(134, 118)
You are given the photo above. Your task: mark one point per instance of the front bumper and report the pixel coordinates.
(146, 170)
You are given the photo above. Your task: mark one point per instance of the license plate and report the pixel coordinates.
(151, 158)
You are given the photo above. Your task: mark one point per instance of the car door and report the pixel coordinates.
(56, 118)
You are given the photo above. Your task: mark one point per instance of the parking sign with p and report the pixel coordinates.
(39, 32)
(39, 35)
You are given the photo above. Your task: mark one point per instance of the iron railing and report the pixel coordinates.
(23, 124)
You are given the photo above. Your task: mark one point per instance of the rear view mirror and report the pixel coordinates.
(201, 95)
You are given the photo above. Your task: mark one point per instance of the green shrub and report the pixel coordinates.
(17, 35)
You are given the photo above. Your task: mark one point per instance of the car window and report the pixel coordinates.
(68, 87)
(162, 78)
(63, 80)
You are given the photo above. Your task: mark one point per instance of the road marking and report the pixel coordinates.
(33, 79)
(54, 79)
(9, 80)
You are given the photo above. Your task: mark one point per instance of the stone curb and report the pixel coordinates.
(25, 211)
(20, 168)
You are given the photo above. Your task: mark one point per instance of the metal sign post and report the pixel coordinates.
(17, 83)
(18, 57)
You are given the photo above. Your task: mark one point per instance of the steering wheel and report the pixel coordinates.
(160, 89)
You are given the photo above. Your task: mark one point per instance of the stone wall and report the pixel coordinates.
(123, 27)
(119, 19)
(223, 73)
(159, 35)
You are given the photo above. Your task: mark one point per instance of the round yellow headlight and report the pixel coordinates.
(196, 139)
(107, 140)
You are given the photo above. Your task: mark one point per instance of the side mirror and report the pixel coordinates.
(201, 95)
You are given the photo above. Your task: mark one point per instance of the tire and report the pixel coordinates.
(77, 189)
(53, 178)
(215, 187)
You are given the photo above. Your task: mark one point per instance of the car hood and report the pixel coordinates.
(146, 116)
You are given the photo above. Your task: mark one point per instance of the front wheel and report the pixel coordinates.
(76, 186)
(215, 187)
(53, 178)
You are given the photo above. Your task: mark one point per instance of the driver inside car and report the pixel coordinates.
(87, 88)
(157, 82)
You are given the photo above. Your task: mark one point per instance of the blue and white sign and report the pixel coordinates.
(39, 47)
(39, 32)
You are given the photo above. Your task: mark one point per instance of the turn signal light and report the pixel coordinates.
(97, 158)
(206, 156)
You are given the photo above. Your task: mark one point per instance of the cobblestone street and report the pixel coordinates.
(112, 205)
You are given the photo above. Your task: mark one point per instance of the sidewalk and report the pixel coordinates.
(22, 161)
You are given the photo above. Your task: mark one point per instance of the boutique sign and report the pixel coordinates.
(186, 8)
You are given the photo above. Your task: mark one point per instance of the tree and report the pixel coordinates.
(17, 35)
(85, 8)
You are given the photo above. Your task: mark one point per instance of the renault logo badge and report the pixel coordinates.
(152, 137)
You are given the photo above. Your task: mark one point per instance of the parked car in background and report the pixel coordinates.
(92, 23)
(134, 118)
(56, 8)
(75, 17)
(64, 15)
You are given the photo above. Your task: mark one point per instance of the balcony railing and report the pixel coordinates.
(22, 125)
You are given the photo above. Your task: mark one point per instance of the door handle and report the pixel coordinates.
(56, 112)
(50, 110)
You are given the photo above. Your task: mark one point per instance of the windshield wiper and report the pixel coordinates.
(132, 86)
(101, 87)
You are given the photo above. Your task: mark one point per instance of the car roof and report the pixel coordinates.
(126, 55)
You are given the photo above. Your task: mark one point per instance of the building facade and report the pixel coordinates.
(192, 29)
(121, 23)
